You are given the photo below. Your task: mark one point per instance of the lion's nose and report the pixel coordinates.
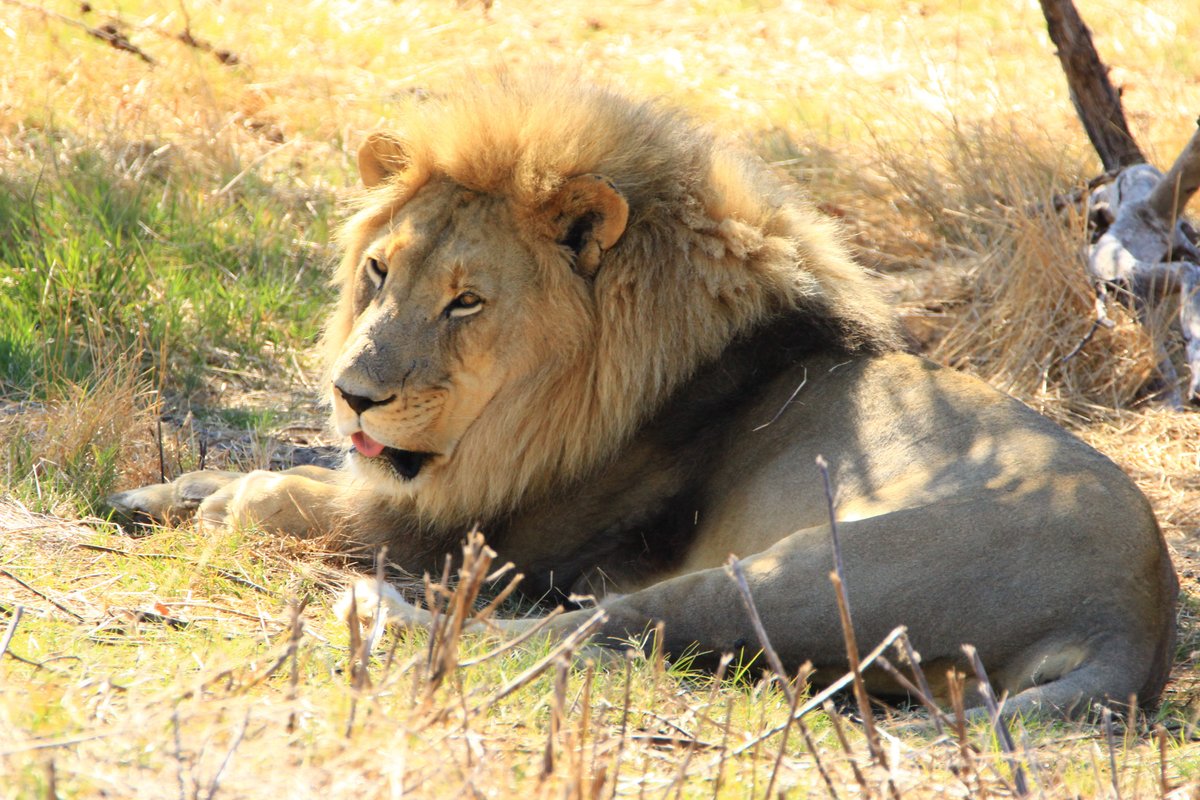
(359, 403)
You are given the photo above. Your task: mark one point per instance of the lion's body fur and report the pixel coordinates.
(618, 345)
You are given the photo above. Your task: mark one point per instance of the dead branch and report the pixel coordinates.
(109, 32)
(564, 649)
(998, 723)
(829, 691)
(5, 573)
(851, 638)
(12, 629)
(1143, 249)
(1096, 102)
(1146, 250)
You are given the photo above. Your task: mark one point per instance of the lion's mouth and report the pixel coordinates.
(405, 463)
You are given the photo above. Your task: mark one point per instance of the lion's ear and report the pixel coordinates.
(382, 154)
(588, 215)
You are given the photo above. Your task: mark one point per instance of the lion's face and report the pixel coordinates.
(445, 296)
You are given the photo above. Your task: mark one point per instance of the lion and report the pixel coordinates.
(618, 344)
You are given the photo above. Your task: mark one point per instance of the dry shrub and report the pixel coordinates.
(1018, 304)
(1157, 447)
(72, 448)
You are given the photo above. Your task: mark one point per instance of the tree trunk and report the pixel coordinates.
(1096, 102)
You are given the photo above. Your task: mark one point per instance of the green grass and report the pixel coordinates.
(136, 289)
(96, 265)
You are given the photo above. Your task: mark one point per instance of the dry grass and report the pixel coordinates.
(1013, 308)
(200, 681)
(932, 130)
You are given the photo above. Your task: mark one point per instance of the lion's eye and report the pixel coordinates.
(464, 305)
(376, 271)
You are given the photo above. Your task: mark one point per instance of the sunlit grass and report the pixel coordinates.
(96, 263)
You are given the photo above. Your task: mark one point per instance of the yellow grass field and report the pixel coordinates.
(171, 177)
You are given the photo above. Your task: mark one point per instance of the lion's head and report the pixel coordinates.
(537, 266)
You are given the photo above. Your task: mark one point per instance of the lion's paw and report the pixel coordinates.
(271, 501)
(366, 600)
(169, 503)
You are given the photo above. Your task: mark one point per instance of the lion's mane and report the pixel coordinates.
(716, 246)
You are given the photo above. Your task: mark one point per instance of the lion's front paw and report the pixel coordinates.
(365, 601)
(169, 503)
(278, 502)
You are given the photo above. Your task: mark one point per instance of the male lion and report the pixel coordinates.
(618, 346)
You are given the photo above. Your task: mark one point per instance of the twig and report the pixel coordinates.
(828, 692)
(178, 754)
(516, 641)
(567, 645)
(557, 709)
(12, 629)
(293, 650)
(1083, 342)
(835, 720)
(355, 634)
(1001, 728)
(793, 698)
(162, 459)
(935, 713)
(733, 568)
(720, 779)
(681, 774)
(51, 780)
(843, 603)
(108, 33)
(261, 619)
(68, 741)
(228, 575)
(1106, 716)
(955, 681)
(41, 594)
(485, 612)
(914, 663)
(237, 740)
(1164, 785)
(236, 179)
(824, 773)
(624, 723)
(585, 724)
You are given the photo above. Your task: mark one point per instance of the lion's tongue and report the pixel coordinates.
(366, 445)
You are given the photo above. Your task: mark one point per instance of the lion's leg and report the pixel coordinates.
(1074, 694)
(169, 503)
(303, 501)
(981, 572)
(368, 601)
(297, 501)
